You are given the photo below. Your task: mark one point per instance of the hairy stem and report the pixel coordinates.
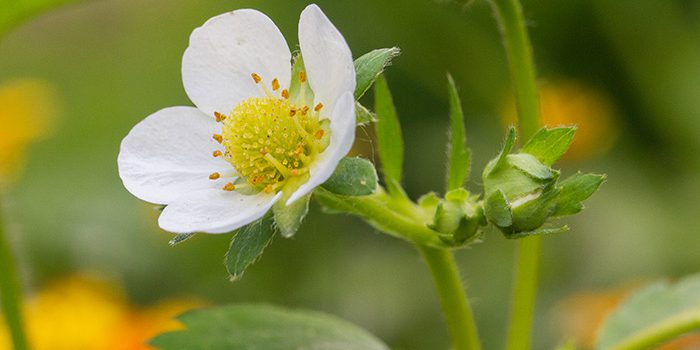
(661, 332)
(522, 70)
(10, 291)
(399, 217)
(453, 298)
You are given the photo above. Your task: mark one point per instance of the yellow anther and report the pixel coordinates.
(295, 172)
(318, 107)
(292, 112)
(218, 138)
(302, 77)
(319, 134)
(219, 117)
(304, 110)
(285, 93)
(275, 84)
(214, 176)
(217, 153)
(256, 78)
(263, 151)
(268, 189)
(229, 187)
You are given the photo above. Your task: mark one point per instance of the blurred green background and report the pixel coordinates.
(114, 62)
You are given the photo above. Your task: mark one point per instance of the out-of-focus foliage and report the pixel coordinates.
(13, 12)
(113, 62)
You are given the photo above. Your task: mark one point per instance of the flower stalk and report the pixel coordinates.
(661, 332)
(10, 291)
(516, 41)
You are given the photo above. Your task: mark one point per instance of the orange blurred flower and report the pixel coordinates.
(28, 108)
(85, 313)
(567, 102)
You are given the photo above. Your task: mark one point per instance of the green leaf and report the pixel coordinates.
(288, 218)
(650, 306)
(13, 12)
(179, 238)
(353, 176)
(532, 212)
(389, 140)
(247, 245)
(548, 145)
(256, 326)
(460, 156)
(574, 190)
(364, 115)
(370, 65)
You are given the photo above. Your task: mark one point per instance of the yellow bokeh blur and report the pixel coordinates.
(567, 102)
(86, 313)
(28, 108)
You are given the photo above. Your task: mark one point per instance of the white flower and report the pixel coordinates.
(224, 164)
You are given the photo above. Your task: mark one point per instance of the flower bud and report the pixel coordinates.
(458, 217)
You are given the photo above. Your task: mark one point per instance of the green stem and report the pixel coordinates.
(661, 332)
(455, 306)
(399, 217)
(522, 70)
(10, 292)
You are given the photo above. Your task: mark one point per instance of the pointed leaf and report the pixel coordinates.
(370, 65)
(288, 218)
(650, 306)
(353, 176)
(500, 160)
(548, 145)
(247, 246)
(539, 232)
(389, 140)
(258, 326)
(574, 190)
(460, 156)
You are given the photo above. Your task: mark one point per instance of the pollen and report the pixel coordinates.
(229, 187)
(269, 139)
(318, 107)
(218, 138)
(214, 176)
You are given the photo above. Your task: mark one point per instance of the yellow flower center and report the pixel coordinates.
(271, 140)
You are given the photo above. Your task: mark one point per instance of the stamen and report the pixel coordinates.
(217, 153)
(292, 112)
(318, 107)
(229, 187)
(218, 138)
(319, 134)
(268, 188)
(219, 117)
(281, 168)
(285, 93)
(302, 77)
(256, 78)
(275, 84)
(304, 110)
(214, 176)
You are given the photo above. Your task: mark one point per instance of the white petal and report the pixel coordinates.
(327, 57)
(223, 53)
(342, 137)
(169, 154)
(214, 211)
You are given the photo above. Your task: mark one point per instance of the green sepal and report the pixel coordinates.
(530, 165)
(363, 115)
(533, 212)
(459, 161)
(353, 176)
(574, 190)
(497, 210)
(458, 217)
(388, 131)
(288, 218)
(500, 160)
(369, 66)
(429, 201)
(247, 245)
(548, 145)
(539, 232)
(179, 238)
(295, 86)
